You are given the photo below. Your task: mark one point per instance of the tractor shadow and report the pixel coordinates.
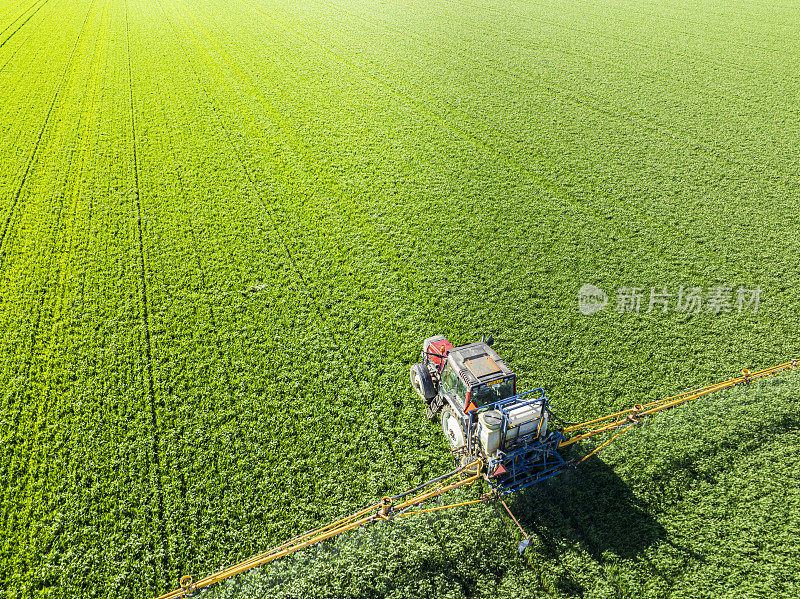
(591, 508)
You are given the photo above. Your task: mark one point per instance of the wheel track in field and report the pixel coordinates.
(32, 158)
(557, 190)
(300, 150)
(197, 256)
(314, 301)
(67, 69)
(775, 173)
(19, 16)
(304, 155)
(90, 210)
(30, 16)
(155, 449)
(254, 186)
(97, 145)
(30, 34)
(508, 160)
(203, 281)
(82, 149)
(10, 14)
(387, 438)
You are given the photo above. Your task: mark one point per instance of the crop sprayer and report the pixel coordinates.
(509, 440)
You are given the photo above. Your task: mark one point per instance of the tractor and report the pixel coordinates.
(483, 417)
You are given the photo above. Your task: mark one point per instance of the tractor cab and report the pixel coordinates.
(475, 376)
(465, 378)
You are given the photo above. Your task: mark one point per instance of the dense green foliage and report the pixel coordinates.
(225, 228)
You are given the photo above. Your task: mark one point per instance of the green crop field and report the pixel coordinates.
(226, 228)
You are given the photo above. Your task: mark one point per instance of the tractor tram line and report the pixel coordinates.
(324, 533)
(37, 144)
(30, 16)
(155, 449)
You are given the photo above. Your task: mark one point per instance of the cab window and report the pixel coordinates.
(461, 391)
(449, 379)
(487, 394)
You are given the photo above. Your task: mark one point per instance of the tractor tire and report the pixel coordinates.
(453, 431)
(422, 382)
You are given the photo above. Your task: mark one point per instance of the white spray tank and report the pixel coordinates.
(522, 421)
(491, 427)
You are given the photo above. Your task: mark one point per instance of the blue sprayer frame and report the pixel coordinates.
(529, 459)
